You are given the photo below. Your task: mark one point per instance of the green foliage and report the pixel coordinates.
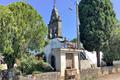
(112, 49)
(30, 28)
(74, 40)
(97, 18)
(96, 21)
(6, 30)
(21, 29)
(29, 65)
(46, 42)
(108, 58)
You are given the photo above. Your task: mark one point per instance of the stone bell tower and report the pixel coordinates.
(54, 26)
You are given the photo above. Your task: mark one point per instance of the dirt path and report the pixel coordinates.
(110, 77)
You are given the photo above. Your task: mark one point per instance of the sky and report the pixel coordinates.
(44, 8)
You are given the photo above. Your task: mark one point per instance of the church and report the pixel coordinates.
(63, 54)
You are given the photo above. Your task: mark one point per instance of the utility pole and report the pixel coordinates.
(78, 36)
(77, 26)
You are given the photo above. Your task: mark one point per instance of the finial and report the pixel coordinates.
(54, 3)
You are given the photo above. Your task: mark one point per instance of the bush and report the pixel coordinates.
(29, 64)
(112, 49)
(108, 58)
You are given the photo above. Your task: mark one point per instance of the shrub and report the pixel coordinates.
(108, 58)
(29, 64)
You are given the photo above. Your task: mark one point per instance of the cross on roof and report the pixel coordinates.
(54, 3)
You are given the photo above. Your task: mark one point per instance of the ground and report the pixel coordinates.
(110, 77)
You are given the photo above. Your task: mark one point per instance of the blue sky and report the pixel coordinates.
(44, 8)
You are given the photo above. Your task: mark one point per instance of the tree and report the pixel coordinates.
(96, 18)
(30, 26)
(28, 32)
(112, 50)
(6, 31)
(74, 40)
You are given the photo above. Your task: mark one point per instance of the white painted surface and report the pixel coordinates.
(63, 64)
(116, 62)
(85, 64)
(54, 43)
(76, 62)
(91, 56)
(57, 57)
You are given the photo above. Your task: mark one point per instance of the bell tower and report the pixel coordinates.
(54, 26)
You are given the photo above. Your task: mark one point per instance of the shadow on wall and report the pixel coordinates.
(53, 61)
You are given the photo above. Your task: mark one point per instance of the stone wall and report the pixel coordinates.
(85, 74)
(43, 76)
(85, 64)
(108, 70)
(88, 74)
(99, 72)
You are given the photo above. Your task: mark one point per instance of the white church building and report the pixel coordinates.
(62, 54)
(88, 59)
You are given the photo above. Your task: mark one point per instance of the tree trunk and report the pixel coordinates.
(10, 65)
(98, 58)
(10, 60)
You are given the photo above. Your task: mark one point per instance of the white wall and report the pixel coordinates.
(58, 62)
(63, 63)
(91, 56)
(76, 62)
(54, 43)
